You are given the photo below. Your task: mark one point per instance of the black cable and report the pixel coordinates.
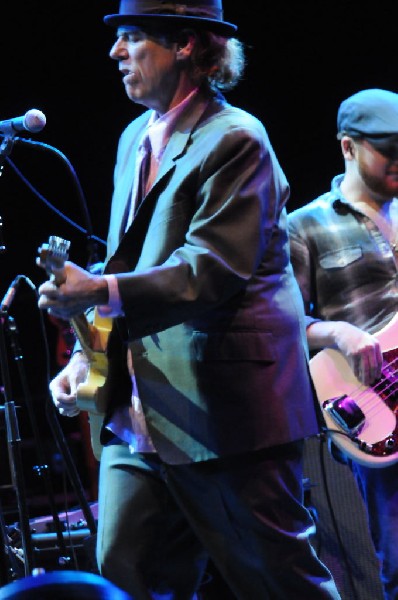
(52, 417)
(50, 205)
(88, 230)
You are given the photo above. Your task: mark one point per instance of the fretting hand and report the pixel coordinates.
(78, 291)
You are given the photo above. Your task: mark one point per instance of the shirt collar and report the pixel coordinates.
(336, 190)
(338, 200)
(159, 130)
(337, 196)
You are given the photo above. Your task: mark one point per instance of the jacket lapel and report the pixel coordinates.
(177, 143)
(132, 240)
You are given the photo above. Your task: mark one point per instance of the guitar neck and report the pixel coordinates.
(81, 328)
(79, 323)
(92, 337)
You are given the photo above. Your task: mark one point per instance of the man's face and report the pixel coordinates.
(378, 166)
(149, 65)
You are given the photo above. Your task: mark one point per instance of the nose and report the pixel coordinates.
(118, 50)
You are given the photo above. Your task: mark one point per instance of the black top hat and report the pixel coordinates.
(188, 13)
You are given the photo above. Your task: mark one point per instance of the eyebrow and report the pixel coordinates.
(127, 29)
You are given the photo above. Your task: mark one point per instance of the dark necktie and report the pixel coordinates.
(138, 193)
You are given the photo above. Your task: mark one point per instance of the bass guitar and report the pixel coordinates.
(361, 420)
(93, 338)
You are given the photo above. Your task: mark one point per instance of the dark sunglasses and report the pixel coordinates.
(387, 146)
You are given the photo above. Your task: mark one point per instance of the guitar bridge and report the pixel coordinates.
(345, 412)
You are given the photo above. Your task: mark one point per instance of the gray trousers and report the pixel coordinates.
(159, 524)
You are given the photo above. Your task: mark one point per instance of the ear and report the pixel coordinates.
(185, 47)
(347, 147)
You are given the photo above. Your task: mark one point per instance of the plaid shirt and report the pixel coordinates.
(344, 266)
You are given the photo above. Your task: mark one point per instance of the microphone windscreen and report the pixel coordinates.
(34, 120)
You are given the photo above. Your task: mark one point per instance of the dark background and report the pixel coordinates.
(304, 58)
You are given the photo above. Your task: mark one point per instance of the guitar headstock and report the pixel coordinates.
(53, 255)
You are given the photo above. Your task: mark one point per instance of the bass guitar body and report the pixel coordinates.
(361, 420)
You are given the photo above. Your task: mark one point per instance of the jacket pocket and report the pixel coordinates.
(236, 345)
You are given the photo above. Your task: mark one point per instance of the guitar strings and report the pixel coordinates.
(388, 377)
(385, 388)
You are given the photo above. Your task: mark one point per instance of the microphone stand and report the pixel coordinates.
(42, 468)
(8, 324)
(14, 450)
(13, 437)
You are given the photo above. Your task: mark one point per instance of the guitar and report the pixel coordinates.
(93, 339)
(361, 420)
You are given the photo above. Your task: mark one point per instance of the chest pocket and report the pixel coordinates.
(341, 258)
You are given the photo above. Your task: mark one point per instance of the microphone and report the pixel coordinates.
(10, 293)
(33, 121)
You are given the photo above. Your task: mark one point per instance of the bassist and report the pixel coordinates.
(344, 253)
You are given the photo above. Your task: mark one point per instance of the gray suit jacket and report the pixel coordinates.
(214, 317)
